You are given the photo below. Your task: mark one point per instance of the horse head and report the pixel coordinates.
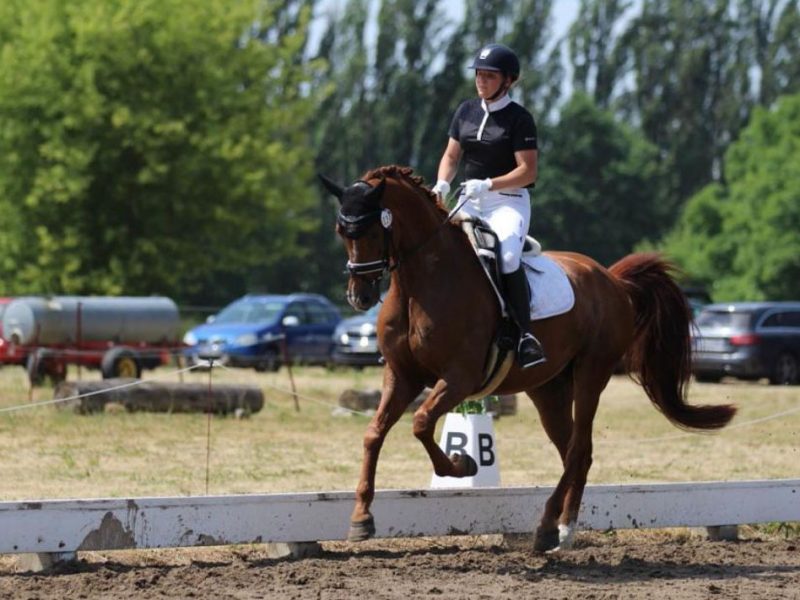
(365, 226)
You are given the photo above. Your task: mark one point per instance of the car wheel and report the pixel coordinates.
(785, 371)
(707, 378)
(270, 361)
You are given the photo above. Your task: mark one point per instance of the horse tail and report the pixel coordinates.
(659, 358)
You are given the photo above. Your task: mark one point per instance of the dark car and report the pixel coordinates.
(748, 340)
(260, 331)
(355, 341)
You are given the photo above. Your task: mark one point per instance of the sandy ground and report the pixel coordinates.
(623, 565)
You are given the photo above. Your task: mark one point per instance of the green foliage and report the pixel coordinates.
(151, 146)
(740, 238)
(599, 187)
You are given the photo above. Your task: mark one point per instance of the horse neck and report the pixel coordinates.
(429, 249)
(418, 220)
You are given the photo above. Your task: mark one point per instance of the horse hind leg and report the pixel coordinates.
(589, 382)
(553, 401)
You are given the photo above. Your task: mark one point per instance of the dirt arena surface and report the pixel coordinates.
(675, 565)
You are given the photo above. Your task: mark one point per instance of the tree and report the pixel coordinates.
(152, 146)
(691, 92)
(770, 31)
(600, 189)
(597, 60)
(740, 238)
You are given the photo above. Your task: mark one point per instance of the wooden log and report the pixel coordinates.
(368, 400)
(158, 396)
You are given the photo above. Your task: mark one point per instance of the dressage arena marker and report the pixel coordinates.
(63, 527)
(471, 434)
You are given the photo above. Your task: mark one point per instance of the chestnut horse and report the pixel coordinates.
(440, 316)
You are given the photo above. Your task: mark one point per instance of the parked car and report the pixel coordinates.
(748, 340)
(355, 340)
(261, 332)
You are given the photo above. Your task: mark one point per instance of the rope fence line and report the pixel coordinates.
(326, 403)
(312, 399)
(41, 403)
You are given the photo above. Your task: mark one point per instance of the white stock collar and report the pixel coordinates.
(496, 105)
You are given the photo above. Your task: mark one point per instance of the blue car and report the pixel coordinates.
(262, 332)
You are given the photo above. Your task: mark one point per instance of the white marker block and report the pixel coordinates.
(472, 435)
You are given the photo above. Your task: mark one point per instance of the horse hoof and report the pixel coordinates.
(465, 464)
(361, 530)
(545, 541)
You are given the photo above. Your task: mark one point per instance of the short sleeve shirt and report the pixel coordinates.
(506, 131)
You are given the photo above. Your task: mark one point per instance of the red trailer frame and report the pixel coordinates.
(50, 361)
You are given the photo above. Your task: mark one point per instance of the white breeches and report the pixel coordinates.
(508, 213)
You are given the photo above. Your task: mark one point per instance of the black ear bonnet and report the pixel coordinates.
(361, 207)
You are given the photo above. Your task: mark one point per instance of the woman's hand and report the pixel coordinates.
(442, 188)
(477, 188)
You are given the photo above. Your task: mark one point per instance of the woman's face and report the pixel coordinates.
(488, 82)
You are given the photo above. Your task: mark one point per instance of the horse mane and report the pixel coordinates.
(406, 174)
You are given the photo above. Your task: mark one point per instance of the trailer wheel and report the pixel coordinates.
(121, 362)
(41, 364)
(34, 366)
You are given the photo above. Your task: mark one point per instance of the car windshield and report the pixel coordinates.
(250, 311)
(723, 319)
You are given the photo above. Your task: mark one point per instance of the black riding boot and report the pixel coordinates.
(530, 351)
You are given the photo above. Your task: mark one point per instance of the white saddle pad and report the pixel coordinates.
(551, 291)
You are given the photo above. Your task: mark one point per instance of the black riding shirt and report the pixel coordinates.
(506, 131)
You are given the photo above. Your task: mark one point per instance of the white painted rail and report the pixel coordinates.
(62, 526)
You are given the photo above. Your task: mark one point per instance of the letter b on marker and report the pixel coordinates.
(485, 449)
(456, 443)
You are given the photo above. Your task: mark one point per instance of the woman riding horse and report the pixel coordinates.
(439, 319)
(497, 139)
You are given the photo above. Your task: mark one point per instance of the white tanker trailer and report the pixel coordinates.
(120, 335)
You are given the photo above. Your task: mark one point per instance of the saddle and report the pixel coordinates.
(487, 247)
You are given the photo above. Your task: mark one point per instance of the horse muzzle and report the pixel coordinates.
(363, 294)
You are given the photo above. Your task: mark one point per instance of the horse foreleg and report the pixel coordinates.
(397, 395)
(442, 399)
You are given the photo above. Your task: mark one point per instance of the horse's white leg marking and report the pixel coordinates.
(566, 535)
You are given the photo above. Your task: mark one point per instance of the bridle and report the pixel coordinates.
(354, 227)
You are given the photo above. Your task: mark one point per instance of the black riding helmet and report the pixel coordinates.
(497, 57)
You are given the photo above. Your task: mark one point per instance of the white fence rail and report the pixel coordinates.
(63, 526)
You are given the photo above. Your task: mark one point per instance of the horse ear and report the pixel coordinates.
(333, 187)
(375, 193)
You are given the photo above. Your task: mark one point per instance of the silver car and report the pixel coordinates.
(748, 340)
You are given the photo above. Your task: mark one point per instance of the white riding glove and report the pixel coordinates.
(477, 188)
(442, 188)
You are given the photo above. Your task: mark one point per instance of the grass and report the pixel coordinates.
(49, 453)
